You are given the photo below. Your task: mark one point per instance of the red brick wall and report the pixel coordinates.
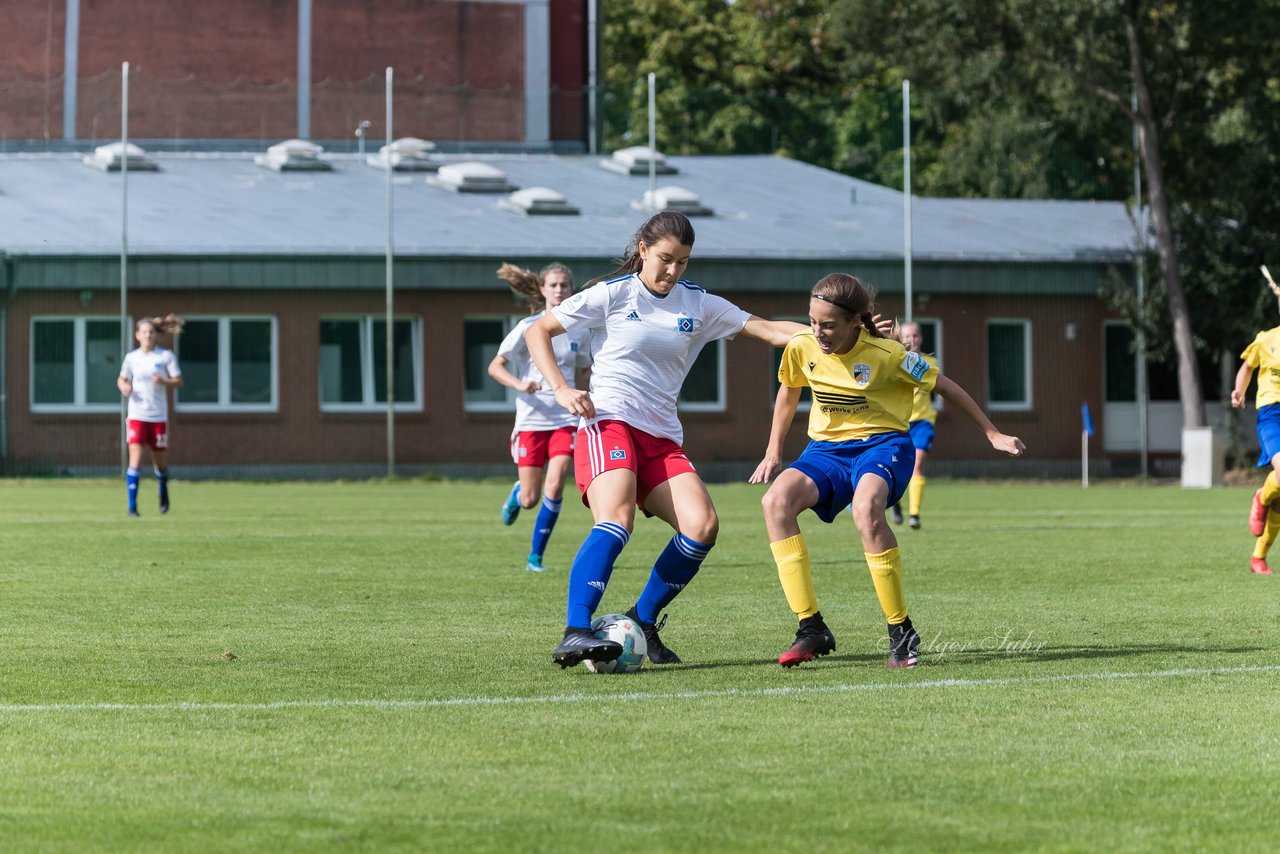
(227, 68)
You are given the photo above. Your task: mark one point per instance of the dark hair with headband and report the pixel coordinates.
(662, 225)
(849, 295)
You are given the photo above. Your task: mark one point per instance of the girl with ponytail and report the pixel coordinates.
(542, 439)
(860, 454)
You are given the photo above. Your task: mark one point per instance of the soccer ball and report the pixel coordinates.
(623, 630)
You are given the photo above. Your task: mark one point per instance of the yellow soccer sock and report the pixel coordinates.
(1263, 544)
(792, 557)
(915, 494)
(1270, 489)
(886, 574)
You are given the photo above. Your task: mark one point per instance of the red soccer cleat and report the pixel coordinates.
(1258, 566)
(1257, 515)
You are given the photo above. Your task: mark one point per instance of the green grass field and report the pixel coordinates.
(301, 667)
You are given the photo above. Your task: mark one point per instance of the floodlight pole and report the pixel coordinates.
(592, 62)
(391, 389)
(653, 142)
(124, 253)
(906, 198)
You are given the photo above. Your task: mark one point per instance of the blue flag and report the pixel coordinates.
(1088, 419)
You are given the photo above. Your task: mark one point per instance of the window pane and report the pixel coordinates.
(1006, 362)
(1121, 374)
(52, 356)
(340, 362)
(198, 359)
(929, 337)
(406, 382)
(703, 383)
(102, 361)
(250, 361)
(481, 340)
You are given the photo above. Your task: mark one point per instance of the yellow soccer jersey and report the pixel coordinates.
(1264, 354)
(922, 404)
(861, 393)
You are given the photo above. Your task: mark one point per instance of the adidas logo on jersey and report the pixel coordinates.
(632, 315)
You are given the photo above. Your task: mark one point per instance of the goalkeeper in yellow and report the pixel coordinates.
(859, 453)
(1264, 521)
(920, 426)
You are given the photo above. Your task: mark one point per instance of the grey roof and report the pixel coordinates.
(765, 207)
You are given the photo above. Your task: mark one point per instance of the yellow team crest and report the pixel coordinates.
(861, 374)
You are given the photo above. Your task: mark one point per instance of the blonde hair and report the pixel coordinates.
(528, 284)
(170, 323)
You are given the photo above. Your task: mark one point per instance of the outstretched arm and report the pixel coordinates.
(775, 332)
(1243, 376)
(952, 393)
(538, 339)
(784, 409)
(502, 375)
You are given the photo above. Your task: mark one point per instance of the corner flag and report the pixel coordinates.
(1088, 419)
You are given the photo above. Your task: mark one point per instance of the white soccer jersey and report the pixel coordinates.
(149, 401)
(644, 345)
(539, 411)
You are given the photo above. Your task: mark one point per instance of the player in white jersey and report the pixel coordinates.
(145, 378)
(648, 325)
(544, 433)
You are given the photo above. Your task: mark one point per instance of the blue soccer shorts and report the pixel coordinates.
(1269, 432)
(921, 433)
(836, 468)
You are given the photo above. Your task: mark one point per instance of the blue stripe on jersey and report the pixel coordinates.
(693, 286)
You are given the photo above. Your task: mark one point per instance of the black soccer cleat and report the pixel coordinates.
(134, 513)
(904, 646)
(914, 522)
(813, 638)
(580, 645)
(658, 651)
(164, 503)
(895, 513)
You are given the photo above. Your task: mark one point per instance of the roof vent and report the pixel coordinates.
(672, 199)
(109, 158)
(408, 154)
(294, 155)
(538, 201)
(635, 161)
(471, 177)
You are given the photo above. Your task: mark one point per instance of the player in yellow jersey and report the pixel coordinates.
(1263, 355)
(920, 426)
(860, 452)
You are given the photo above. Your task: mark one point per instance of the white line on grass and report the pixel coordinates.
(629, 696)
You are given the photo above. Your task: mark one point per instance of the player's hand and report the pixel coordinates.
(531, 386)
(767, 469)
(1011, 445)
(576, 400)
(884, 326)
(1237, 400)
(126, 389)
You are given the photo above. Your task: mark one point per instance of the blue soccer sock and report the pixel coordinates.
(544, 525)
(674, 568)
(131, 483)
(591, 569)
(162, 478)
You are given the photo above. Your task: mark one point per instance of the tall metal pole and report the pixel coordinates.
(391, 389)
(70, 69)
(592, 60)
(1140, 267)
(125, 336)
(906, 197)
(653, 143)
(304, 69)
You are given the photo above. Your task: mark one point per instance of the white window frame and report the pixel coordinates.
(79, 380)
(719, 404)
(938, 401)
(509, 322)
(367, 385)
(1025, 404)
(224, 403)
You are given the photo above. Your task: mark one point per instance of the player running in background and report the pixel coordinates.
(920, 427)
(859, 452)
(544, 432)
(145, 378)
(1261, 355)
(628, 455)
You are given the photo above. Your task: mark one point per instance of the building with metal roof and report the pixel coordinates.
(1008, 291)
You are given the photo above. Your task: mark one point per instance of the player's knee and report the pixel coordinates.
(867, 515)
(704, 530)
(778, 505)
